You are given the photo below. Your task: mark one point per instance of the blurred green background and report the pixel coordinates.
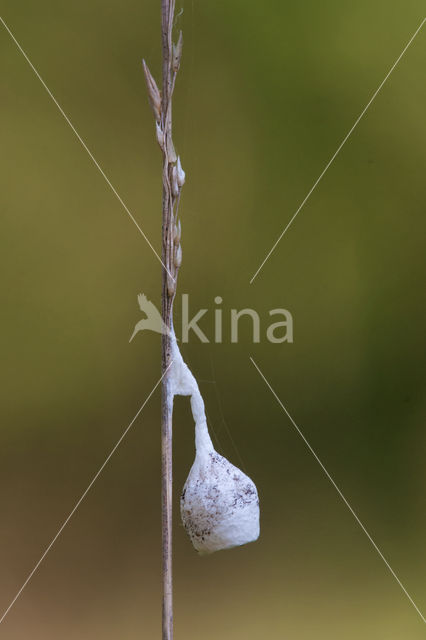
(266, 93)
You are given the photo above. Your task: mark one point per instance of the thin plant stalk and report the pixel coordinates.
(169, 277)
(173, 180)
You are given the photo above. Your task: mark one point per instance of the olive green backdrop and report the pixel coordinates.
(266, 93)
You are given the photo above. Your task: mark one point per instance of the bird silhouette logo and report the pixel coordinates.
(153, 320)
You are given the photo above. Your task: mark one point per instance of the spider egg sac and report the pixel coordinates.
(219, 503)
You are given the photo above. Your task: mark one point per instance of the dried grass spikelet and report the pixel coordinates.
(180, 173)
(177, 231)
(154, 95)
(175, 185)
(178, 256)
(219, 503)
(171, 153)
(160, 135)
(177, 53)
(171, 285)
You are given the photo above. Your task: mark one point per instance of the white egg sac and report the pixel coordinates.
(219, 504)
